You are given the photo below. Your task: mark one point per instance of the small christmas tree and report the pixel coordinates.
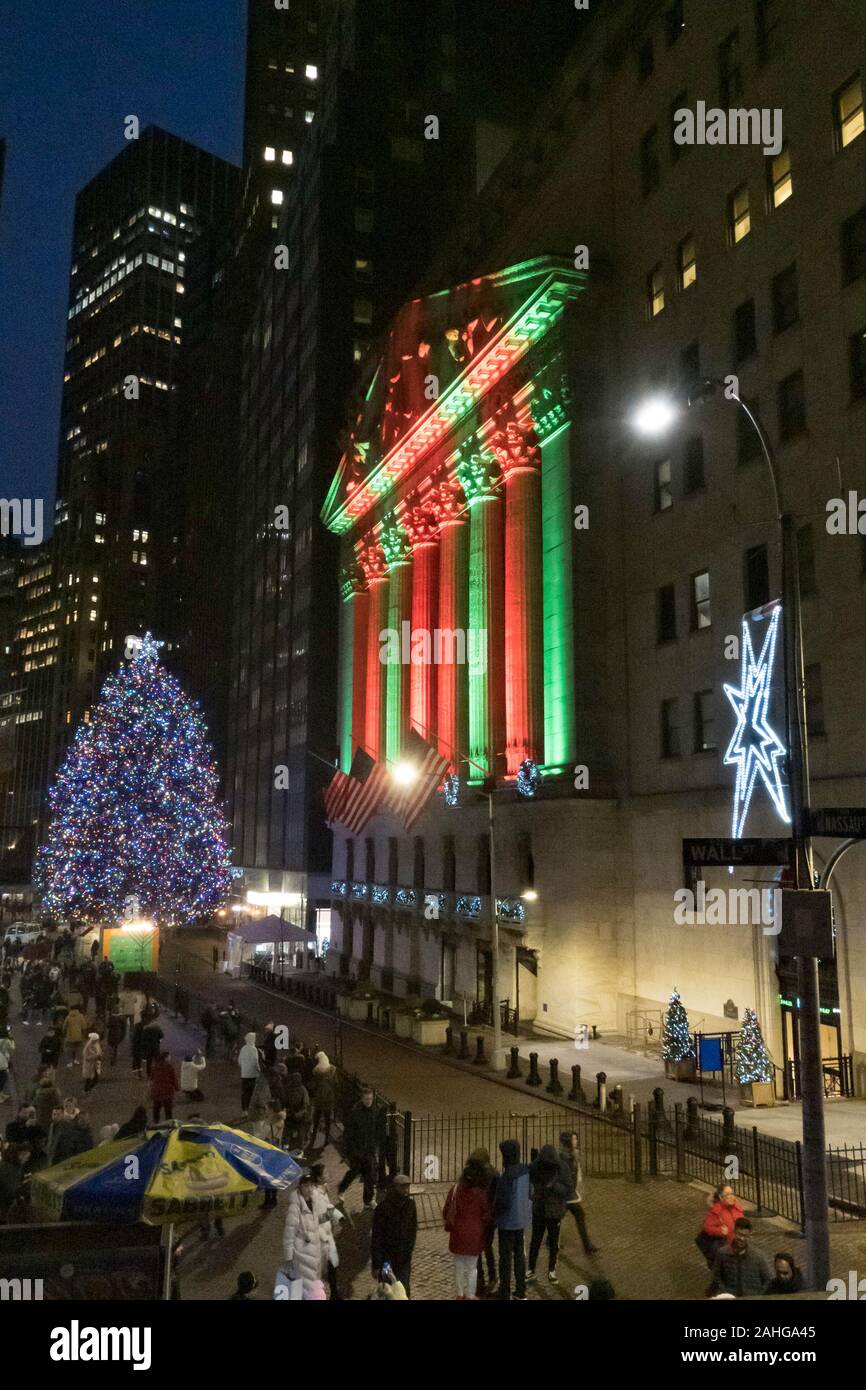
(676, 1039)
(134, 810)
(753, 1059)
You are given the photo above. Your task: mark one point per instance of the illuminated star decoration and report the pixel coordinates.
(755, 748)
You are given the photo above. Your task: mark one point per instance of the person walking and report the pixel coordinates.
(481, 1158)
(323, 1095)
(511, 1215)
(74, 1034)
(394, 1232)
(550, 1188)
(46, 1100)
(250, 1065)
(91, 1061)
(151, 1041)
(7, 1052)
(51, 1047)
(569, 1160)
(738, 1269)
(717, 1231)
(467, 1215)
(364, 1139)
(115, 1033)
(303, 1248)
(191, 1070)
(208, 1020)
(296, 1104)
(329, 1217)
(163, 1087)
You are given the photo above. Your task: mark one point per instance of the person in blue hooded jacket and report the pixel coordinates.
(512, 1213)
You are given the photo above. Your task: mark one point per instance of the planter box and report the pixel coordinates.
(758, 1093)
(403, 1025)
(359, 1009)
(430, 1032)
(685, 1071)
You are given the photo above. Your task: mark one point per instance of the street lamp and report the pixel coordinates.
(655, 416)
(404, 773)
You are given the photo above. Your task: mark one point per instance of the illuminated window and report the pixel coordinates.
(270, 154)
(655, 291)
(687, 262)
(308, 117)
(848, 104)
(701, 601)
(781, 179)
(276, 197)
(363, 268)
(663, 490)
(739, 216)
(288, 157)
(311, 72)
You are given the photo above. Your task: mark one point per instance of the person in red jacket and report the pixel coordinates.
(717, 1231)
(163, 1086)
(468, 1215)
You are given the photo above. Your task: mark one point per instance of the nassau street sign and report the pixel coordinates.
(847, 824)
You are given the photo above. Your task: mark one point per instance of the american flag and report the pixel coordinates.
(366, 798)
(430, 767)
(335, 793)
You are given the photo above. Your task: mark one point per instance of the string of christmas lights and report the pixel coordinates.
(134, 810)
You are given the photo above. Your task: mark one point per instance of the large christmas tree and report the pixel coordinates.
(134, 810)
(753, 1059)
(676, 1039)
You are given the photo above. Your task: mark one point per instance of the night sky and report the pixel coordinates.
(70, 70)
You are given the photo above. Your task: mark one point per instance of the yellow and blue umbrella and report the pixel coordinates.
(172, 1172)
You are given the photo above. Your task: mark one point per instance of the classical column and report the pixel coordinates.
(421, 524)
(557, 528)
(519, 458)
(353, 654)
(452, 682)
(398, 554)
(479, 478)
(372, 562)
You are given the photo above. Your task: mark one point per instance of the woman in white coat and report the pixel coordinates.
(305, 1252)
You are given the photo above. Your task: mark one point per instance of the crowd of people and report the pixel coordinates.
(497, 1221)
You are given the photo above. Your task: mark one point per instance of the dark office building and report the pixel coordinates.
(115, 535)
(281, 106)
(417, 107)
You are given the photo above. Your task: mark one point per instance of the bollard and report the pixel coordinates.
(463, 1054)
(533, 1079)
(513, 1073)
(692, 1127)
(554, 1085)
(601, 1097)
(637, 1144)
(595, 1032)
(660, 1121)
(449, 1038)
(729, 1139)
(616, 1100)
(576, 1092)
(479, 1060)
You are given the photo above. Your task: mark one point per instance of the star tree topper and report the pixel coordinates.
(755, 748)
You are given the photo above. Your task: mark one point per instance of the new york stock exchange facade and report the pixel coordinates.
(498, 586)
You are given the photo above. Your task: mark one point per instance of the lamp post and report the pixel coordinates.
(655, 417)
(404, 773)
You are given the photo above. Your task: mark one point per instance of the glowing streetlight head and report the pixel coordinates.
(529, 895)
(405, 773)
(655, 416)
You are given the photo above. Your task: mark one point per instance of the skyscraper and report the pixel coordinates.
(135, 224)
(415, 113)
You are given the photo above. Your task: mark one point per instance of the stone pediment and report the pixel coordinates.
(443, 354)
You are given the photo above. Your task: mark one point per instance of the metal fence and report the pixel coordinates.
(846, 1182)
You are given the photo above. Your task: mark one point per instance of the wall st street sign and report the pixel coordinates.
(703, 852)
(844, 822)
